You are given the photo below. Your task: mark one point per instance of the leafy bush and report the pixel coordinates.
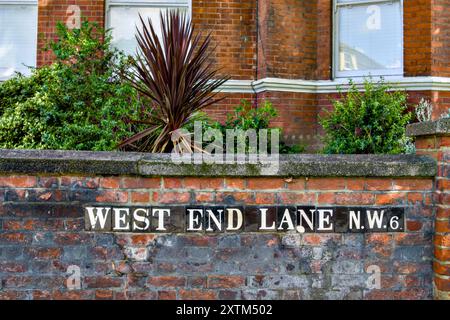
(79, 102)
(246, 116)
(173, 71)
(372, 121)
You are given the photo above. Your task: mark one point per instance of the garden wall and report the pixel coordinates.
(43, 233)
(44, 242)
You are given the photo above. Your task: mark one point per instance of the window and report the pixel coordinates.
(368, 38)
(122, 18)
(18, 36)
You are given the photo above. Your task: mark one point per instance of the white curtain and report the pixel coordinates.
(18, 38)
(123, 19)
(370, 37)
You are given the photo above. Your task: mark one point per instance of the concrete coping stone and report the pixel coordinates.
(147, 164)
(438, 127)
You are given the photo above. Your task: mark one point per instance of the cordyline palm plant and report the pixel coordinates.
(174, 72)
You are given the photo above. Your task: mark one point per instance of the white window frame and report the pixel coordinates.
(23, 3)
(363, 73)
(143, 4)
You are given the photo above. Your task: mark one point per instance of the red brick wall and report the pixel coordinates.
(220, 110)
(439, 99)
(324, 41)
(440, 42)
(426, 38)
(297, 116)
(233, 26)
(42, 234)
(287, 39)
(438, 146)
(417, 37)
(52, 11)
(294, 37)
(307, 52)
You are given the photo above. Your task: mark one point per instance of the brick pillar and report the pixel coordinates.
(433, 139)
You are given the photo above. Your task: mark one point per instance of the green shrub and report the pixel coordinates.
(369, 121)
(79, 102)
(246, 116)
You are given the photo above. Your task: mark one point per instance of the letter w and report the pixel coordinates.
(97, 215)
(375, 218)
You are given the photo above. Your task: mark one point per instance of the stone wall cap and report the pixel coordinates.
(438, 127)
(145, 164)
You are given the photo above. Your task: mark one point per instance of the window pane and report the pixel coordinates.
(18, 38)
(370, 37)
(123, 21)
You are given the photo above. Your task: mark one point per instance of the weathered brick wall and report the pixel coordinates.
(435, 142)
(42, 234)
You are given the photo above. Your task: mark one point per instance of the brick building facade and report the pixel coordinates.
(293, 52)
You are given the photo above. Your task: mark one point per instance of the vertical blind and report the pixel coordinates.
(18, 37)
(123, 18)
(370, 37)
